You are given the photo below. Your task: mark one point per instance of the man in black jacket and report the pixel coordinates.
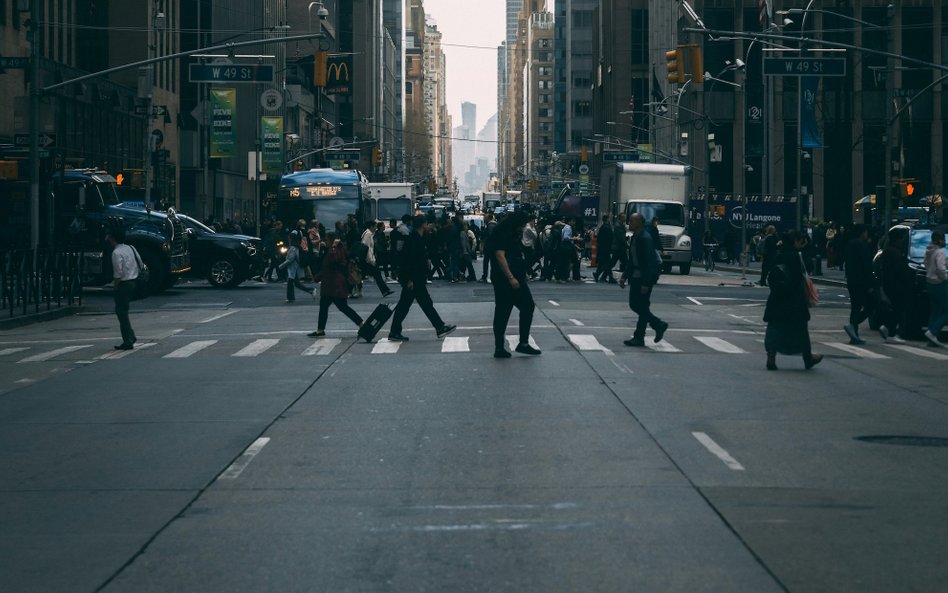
(413, 276)
(604, 252)
(859, 281)
(642, 273)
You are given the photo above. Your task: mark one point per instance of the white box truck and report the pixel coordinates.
(390, 201)
(654, 191)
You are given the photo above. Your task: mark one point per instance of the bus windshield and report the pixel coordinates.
(669, 213)
(321, 194)
(326, 211)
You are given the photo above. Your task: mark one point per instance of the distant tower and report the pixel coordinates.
(469, 117)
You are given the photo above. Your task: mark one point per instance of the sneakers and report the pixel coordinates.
(502, 354)
(316, 334)
(527, 349)
(315, 294)
(446, 329)
(660, 331)
(884, 333)
(850, 330)
(933, 339)
(634, 342)
(397, 338)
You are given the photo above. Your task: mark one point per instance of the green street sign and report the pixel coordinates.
(805, 66)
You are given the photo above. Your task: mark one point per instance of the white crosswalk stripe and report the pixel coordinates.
(123, 353)
(662, 346)
(8, 351)
(190, 349)
(720, 345)
(587, 342)
(44, 356)
(919, 351)
(455, 345)
(385, 346)
(322, 347)
(860, 352)
(256, 348)
(514, 341)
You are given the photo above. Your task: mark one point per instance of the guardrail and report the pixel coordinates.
(41, 280)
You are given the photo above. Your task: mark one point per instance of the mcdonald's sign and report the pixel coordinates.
(339, 75)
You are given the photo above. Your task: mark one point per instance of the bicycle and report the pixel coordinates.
(709, 250)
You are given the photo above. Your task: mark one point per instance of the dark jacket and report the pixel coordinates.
(858, 264)
(413, 264)
(644, 264)
(896, 275)
(789, 303)
(604, 240)
(334, 273)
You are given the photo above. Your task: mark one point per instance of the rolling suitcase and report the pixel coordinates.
(374, 323)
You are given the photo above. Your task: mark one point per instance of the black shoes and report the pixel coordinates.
(502, 354)
(316, 334)
(446, 329)
(812, 360)
(123, 347)
(388, 293)
(527, 349)
(634, 342)
(771, 361)
(397, 338)
(660, 331)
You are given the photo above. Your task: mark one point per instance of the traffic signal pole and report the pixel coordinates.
(34, 126)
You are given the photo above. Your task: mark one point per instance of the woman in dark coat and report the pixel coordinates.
(787, 313)
(896, 281)
(334, 285)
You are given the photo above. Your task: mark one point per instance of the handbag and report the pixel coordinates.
(354, 276)
(144, 276)
(809, 289)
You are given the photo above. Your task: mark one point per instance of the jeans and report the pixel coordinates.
(123, 297)
(860, 305)
(938, 307)
(341, 304)
(418, 292)
(641, 304)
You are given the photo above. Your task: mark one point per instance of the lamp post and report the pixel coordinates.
(157, 24)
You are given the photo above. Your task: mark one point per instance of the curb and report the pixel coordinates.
(30, 318)
(755, 273)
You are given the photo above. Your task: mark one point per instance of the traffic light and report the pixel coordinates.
(695, 65)
(320, 68)
(676, 65)
(377, 156)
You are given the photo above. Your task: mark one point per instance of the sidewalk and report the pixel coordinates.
(832, 277)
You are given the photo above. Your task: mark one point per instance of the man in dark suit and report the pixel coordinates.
(642, 273)
(413, 276)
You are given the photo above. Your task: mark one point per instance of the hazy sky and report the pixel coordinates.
(471, 32)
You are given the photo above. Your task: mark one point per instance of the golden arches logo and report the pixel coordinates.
(339, 68)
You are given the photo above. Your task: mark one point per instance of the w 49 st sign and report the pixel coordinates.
(805, 66)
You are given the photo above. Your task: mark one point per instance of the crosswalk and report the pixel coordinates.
(477, 343)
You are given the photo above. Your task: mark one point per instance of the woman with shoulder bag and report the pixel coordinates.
(895, 282)
(787, 313)
(334, 287)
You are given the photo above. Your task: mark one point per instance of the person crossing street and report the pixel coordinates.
(642, 273)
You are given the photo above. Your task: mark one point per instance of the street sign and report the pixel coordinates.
(805, 66)
(620, 156)
(45, 140)
(14, 63)
(156, 110)
(230, 73)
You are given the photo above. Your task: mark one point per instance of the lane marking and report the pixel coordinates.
(694, 300)
(720, 345)
(455, 345)
(256, 348)
(662, 346)
(7, 351)
(385, 346)
(587, 342)
(244, 460)
(44, 356)
(860, 352)
(718, 451)
(514, 341)
(322, 347)
(220, 316)
(576, 322)
(919, 351)
(554, 303)
(189, 349)
(123, 353)
(745, 319)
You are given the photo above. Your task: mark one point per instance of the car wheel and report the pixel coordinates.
(721, 254)
(666, 268)
(684, 269)
(223, 273)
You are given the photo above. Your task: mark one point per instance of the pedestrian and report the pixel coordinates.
(860, 282)
(275, 241)
(620, 245)
(293, 267)
(452, 242)
(530, 241)
(467, 254)
(334, 288)
(489, 225)
(126, 266)
(369, 263)
(509, 277)
(642, 273)
(768, 253)
(936, 279)
(787, 312)
(413, 276)
(603, 240)
(895, 282)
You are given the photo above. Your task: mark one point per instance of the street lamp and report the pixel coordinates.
(157, 24)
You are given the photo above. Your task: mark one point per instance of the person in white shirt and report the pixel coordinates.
(125, 269)
(937, 284)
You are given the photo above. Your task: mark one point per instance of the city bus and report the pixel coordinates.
(326, 195)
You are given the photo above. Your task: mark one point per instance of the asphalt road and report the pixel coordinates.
(229, 452)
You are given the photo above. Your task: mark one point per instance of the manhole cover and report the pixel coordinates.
(905, 441)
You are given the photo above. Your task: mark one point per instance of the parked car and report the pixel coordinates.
(916, 317)
(225, 260)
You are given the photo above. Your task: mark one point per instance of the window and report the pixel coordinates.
(582, 18)
(582, 109)
(639, 37)
(544, 99)
(581, 81)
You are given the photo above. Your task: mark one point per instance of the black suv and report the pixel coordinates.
(225, 260)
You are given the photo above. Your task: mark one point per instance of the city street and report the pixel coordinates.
(230, 452)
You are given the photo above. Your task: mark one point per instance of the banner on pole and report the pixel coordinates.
(339, 75)
(271, 135)
(223, 114)
(810, 132)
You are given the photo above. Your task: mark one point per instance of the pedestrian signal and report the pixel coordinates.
(907, 188)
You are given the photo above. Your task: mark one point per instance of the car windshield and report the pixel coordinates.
(193, 223)
(395, 208)
(920, 239)
(666, 213)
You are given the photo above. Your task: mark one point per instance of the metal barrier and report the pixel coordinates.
(42, 280)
